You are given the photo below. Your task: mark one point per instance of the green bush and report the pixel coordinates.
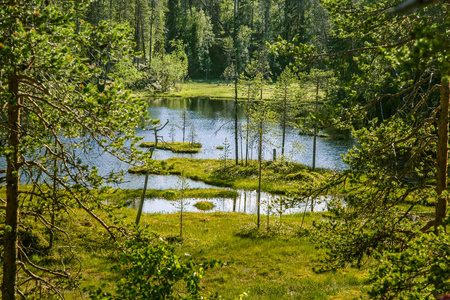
(151, 270)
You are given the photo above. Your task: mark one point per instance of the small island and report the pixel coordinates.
(204, 205)
(175, 147)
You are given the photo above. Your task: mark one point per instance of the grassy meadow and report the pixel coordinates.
(264, 264)
(216, 89)
(274, 264)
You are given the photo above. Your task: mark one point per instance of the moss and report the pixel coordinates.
(204, 205)
(169, 194)
(277, 176)
(302, 175)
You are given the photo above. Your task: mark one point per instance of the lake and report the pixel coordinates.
(211, 122)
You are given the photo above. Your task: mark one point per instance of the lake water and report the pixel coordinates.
(211, 122)
(245, 203)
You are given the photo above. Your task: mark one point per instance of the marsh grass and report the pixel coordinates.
(175, 147)
(204, 205)
(217, 89)
(275, 265)
(269, 264)
(121, 195)
(278, 177)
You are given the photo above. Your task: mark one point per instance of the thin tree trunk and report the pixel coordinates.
(150, 46)
(55, 198)
(260, 152)
(442, 155)
(284, 123)
(248, 122)
(442, 159)
(184, 124)
(9, 285)
(259, 170)
(315, 127)
(137, 31)
(251, 29)
(236, 26)
(141, 21)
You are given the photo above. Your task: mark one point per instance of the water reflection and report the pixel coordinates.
(211, 122)
(245, 203)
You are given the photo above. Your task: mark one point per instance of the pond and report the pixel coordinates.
(211, 122)
(245, 203)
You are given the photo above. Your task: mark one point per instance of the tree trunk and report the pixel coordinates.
(236, 139)
(442, 154)
(9, 285)
(150, 46)
(442, 160)
(315, 127)
(236, 26)
(259, 170)
(284, 122)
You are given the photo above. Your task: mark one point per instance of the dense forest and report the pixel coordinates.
(379, 70)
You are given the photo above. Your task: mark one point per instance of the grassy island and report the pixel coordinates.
(204, 205)
(277, 178)
(128, 194)
(175, 147)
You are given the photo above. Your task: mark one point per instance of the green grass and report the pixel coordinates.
(175, 147)
(278, 177)
(204, 205)
(216, 89)
(277, 265)
(117, 195)
(265, 264)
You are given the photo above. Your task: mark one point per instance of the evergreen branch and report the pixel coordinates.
(389, 46)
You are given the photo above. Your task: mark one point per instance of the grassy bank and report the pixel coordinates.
(277, 177)
(217, 89)
(175, 147)
(117, 195)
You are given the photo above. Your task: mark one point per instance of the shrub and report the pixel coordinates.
(151, 270)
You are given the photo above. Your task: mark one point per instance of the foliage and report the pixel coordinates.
(152, 270)
(315, 111)
(199, 36)
(383, 175)
(402, 155)
(226, 153)
(422, 271)
(169, 70)
(127, 71)
(56, 101)
(284, 101)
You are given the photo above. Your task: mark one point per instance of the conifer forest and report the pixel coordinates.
(224, 149)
